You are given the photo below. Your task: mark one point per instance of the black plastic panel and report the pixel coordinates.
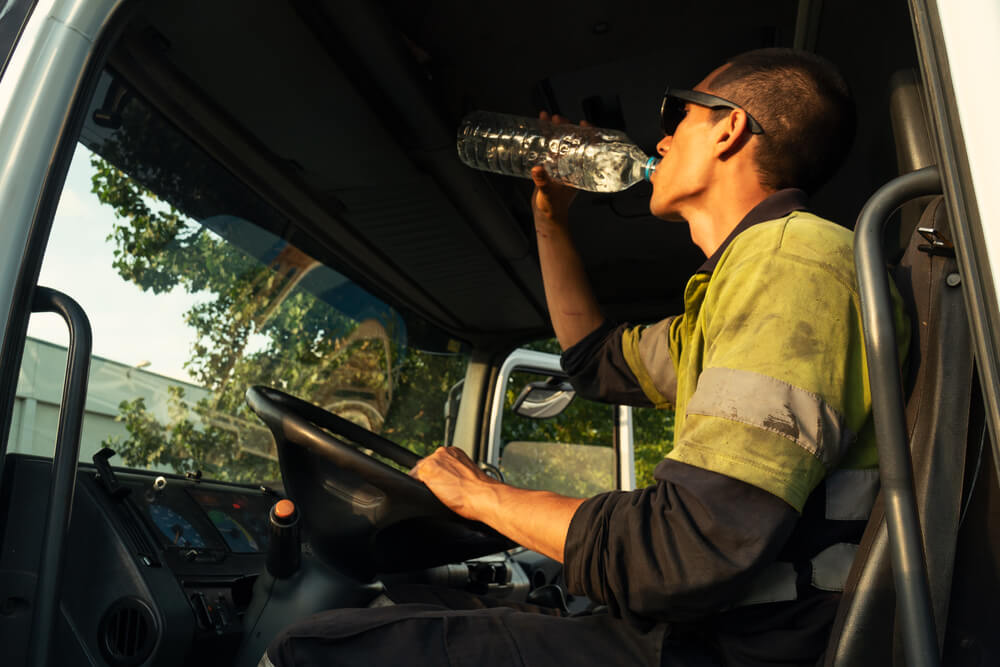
(108, 560)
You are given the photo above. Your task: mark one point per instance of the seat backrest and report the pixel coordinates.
(939, 379)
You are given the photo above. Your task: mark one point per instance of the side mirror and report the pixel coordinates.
(544, 399)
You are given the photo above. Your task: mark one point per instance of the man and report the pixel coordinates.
(737, 553)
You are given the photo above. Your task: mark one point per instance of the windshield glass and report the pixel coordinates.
(197, 290)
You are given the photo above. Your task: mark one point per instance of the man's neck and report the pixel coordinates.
(714, 216)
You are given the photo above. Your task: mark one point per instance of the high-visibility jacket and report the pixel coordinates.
(766, 368)
(766, 372)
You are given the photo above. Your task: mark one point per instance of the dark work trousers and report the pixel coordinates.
(449, 627)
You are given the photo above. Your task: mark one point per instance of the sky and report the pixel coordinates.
(129, 326)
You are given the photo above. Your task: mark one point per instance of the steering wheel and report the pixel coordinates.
(359, 514)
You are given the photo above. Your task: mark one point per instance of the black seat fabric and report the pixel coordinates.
(939, 380)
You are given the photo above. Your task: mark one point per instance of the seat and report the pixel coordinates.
(939, 374)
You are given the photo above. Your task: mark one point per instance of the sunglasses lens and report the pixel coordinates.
(671, 114)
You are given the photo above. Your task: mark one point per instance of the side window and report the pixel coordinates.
(196, 290)
(571, 453)
(653, 434)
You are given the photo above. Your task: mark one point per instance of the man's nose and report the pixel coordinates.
(664, 144)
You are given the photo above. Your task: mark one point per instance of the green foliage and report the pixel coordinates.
(583, 422)
(188, 442)
(654, 436)
(550, 345)
(576, 466)
(416, 415)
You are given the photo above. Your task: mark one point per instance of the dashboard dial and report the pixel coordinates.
(178, 530)
(237, 537)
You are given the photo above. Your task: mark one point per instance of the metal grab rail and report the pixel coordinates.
(64, 465)
(909, 566)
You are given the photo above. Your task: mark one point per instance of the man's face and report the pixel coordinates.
(686, 168)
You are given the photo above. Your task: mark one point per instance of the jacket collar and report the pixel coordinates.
(776, 205)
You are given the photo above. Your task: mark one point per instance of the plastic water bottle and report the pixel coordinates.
(588, 158)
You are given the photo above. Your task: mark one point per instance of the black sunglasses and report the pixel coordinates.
(672, 109)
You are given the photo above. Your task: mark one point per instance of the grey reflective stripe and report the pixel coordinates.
(775, 583)
(778, 581)
(770, 404)
(654, 350)
(850, 494)
(265, 661)
(830, 566)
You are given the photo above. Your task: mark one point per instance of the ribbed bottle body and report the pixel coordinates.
(588, 158)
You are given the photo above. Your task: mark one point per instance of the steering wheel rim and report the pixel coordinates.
(359, 514)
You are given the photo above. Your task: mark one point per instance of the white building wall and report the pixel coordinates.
(39, 393)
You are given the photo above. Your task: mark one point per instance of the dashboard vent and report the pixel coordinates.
(127, 633)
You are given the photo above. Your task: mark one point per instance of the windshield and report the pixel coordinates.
(197, 290)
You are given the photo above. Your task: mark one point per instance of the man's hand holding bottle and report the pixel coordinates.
(550, 202)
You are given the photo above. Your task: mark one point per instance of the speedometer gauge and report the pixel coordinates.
(178, 530)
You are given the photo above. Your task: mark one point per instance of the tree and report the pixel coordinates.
(653, 431)
(256, 322)
(582, 423)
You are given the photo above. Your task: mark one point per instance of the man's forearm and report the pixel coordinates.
(537, 520)
(572, 306)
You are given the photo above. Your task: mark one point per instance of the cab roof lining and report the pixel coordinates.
(342, 116)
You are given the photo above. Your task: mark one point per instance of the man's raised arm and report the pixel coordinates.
(572, 305)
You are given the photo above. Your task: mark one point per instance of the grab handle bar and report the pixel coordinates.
(909, 568)
(64, 465)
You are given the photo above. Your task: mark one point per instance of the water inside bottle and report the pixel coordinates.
(609, 167)
(587, 158)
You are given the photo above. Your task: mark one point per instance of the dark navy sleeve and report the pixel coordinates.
(597, 369)
(678, 550)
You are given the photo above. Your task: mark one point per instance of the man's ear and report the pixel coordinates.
(731, 134)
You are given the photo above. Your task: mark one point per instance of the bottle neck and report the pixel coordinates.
(649, 167)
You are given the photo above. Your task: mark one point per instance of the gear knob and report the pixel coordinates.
(284, 548)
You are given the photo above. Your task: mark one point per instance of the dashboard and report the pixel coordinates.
(165, 570)
(203, 516)
(206, 540)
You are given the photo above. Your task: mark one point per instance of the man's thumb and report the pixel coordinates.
(538, 175)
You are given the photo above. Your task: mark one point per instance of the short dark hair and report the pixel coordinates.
(805, 107)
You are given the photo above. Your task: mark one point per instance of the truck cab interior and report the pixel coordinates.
(281, 180)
